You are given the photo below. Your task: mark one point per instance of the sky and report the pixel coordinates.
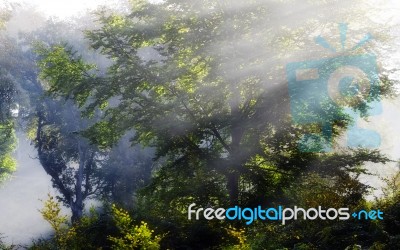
(65, 9)
(20, 220)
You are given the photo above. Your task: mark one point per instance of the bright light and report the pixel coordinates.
(67, 8)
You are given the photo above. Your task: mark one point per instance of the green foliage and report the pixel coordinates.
(60, 147)
(8, 91)
(125, 171)
(221, 126)
(240, 236)
(61, 65)
(4, 246)
(104, 134)
(8, 143)
(88, 233)
(390, 205)
(199, 106)
(51, 212)
(132, 236)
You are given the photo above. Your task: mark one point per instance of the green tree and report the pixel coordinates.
(89, 233)
(196, 104)
(193, 80)
(133, 237)
(54, 128)
(8, 100)
(125, 170)
(67, 157)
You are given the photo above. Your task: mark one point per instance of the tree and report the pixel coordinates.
(79, 170)
(8, 99)
(89, 233)
(133, 237)
(192, 102)
(193, 80)
(66, 157)
(54, 126)
(125, 169)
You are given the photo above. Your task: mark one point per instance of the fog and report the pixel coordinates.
(20, 220)
(23, 194)
(20, 197)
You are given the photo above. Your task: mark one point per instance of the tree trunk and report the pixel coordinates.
(77, 212)
(77, 205)
(233, 188)
(235, 156)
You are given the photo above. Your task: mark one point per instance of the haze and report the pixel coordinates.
(20, 220)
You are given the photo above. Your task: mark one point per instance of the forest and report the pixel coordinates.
(148, 116)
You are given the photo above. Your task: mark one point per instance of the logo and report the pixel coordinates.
(249, 215)
(323, 91)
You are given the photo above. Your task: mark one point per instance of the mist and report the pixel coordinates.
(286, 35)
(20, 197)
